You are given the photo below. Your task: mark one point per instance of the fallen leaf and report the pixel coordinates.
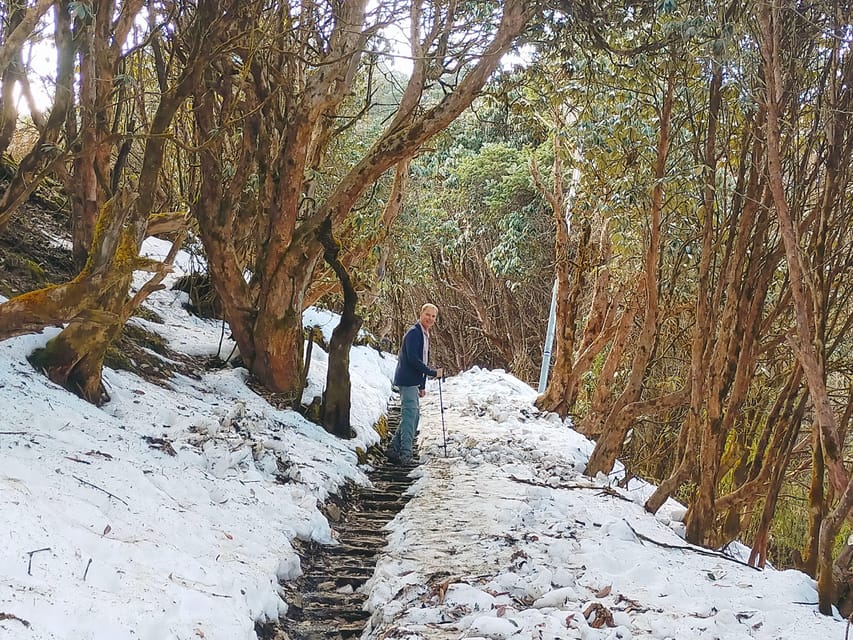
(603, 592)
(228, 535)
(107, 529)
(600, 614)
(442, 590)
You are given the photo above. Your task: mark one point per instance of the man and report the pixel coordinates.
(410, 377)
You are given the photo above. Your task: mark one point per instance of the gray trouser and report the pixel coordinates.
(404, 439)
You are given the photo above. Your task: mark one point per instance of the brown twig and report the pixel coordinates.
(699, 550)
(30, 562)
(94, 486)
(609, 491)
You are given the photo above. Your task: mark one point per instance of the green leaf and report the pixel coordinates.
(81, 11)
(667, 6)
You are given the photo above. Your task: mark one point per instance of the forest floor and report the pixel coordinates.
(35, 250)
(176, 510)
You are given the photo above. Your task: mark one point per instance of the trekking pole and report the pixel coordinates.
(441, 404)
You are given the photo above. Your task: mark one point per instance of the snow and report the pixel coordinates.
(106, 536)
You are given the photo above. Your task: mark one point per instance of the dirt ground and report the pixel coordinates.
(35, 250)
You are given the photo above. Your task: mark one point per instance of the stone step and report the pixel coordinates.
(316, 608)
(336, 581)
(351, 550)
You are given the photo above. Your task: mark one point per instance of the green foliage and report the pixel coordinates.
(486, 200)
(81, 11)
(667, 6)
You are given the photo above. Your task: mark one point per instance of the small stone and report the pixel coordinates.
(334, 512)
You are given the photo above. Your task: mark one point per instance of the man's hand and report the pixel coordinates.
(439, 373)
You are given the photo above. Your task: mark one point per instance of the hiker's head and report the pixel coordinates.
(429, 312)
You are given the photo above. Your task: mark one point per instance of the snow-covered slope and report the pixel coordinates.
(169, 514)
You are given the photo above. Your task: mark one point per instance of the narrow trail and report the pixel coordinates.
(324, 602)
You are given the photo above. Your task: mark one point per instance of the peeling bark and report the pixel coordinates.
(265, 316)
(616, 426)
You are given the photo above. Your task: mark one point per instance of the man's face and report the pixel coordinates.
(428, 317)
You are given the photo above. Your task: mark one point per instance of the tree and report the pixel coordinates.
(20, 20)
(808, 346)
(336, 399)
(288, 98)
(95, 303)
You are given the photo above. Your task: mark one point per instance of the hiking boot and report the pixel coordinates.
(393, 456)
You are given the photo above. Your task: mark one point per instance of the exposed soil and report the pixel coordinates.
(35, 250)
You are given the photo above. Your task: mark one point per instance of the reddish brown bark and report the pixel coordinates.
(616, 426)
(817, 507)
(600, 402)
(271, 342)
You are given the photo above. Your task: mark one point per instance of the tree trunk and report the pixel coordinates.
(829, 528)
(277, 337)
(45, 153)
(817, 508)
(592, 423)
(337, 398)
(609, 445)
(74, 358)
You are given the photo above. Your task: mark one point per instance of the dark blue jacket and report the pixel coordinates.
(412, 371)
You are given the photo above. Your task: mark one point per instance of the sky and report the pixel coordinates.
(161, 515)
